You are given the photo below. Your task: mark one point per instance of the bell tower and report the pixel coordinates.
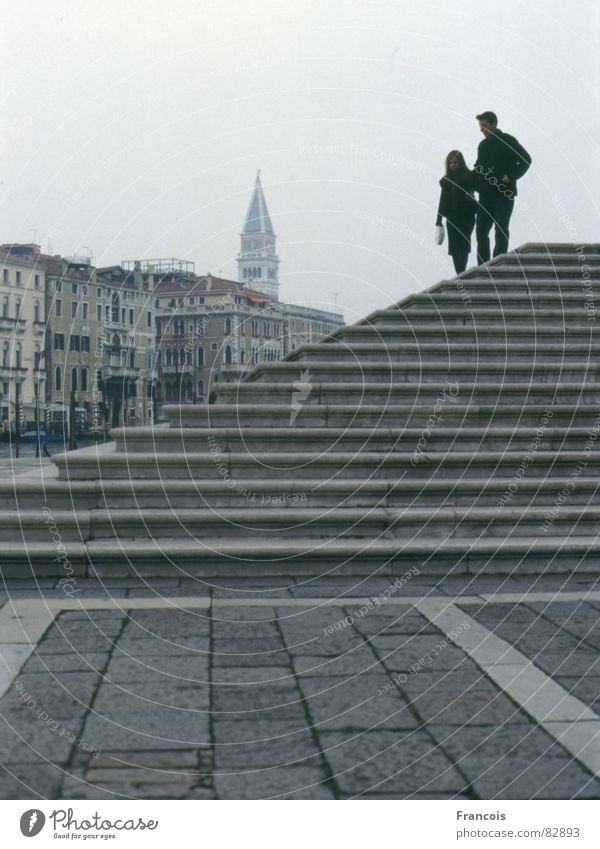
(257, 260)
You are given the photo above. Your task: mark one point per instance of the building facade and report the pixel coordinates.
(99, 345)
(22, 330)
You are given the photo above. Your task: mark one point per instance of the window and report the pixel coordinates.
(59, 341)
(36, 281)
(74, 288)
(37, 356)
(5, 353)
(132, 359)
(58, 378)
(123, 312)
(58, 285)
(149, 318)
(99, 293)
(242, 355)
(5, 307)
(227, 326)
(73, 309)
(188, 358)
(18, 308)
(267, 329)
(85, 344)
(5, 275)
(200, 357)
(36, 311)
(254, 327)
(214, 346)
(99, 312)
(130, 316)
(114, 302)
(74, 343)
(18, 355)
(73, 380)
(84, 311)
(228, 355)
(58, 308)
(84, 379)
(18, 278)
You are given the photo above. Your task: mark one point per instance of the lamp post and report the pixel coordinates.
(36, 387)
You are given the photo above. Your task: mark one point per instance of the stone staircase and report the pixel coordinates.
(454, 432)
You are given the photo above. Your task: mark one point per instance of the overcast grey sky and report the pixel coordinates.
(134, 128)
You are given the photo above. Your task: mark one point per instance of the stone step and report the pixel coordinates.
(478, 335)
(324, 466)
(501, 297)
(292, 558)
(403, 524)
(423, 392)
(451, 352)
(411, 371)
(474, 314)
(437, 438)
(522, 488)
(553, 252)
(375, 415)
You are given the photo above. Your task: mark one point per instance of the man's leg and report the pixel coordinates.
(482, 231)
(503, 211)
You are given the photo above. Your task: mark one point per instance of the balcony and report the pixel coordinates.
(18, 325)
(121, 372)
(12, 373)
(39, 328)
(179, 369)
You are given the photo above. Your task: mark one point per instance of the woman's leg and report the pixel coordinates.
(459, 258)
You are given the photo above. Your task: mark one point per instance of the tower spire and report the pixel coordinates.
(257, 260)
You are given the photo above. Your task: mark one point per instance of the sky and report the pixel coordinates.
(133, 129)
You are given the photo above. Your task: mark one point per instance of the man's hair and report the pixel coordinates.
(488, 116)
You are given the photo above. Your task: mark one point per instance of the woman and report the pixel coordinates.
(458, 207)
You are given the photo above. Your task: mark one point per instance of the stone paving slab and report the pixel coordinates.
(246, 691)
(390, 762)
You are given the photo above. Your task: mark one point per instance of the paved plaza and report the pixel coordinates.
(325, 688)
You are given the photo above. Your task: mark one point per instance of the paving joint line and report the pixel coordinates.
(564, 717)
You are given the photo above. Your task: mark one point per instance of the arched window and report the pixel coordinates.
(18, 308)
(242, 354)
(228, 355)
(200, 388)
(5, 355)
(200, 357)
(227, 326)
(168, 356)
(188, 358)
(73, 380)
(18, 355)
(84, 379)
(181, 356)
(5, 307)
(114, 300)
(36, 311)
(58, 378)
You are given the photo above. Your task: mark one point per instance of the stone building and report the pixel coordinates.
(209, 330)
(99, 344)
(22, 326)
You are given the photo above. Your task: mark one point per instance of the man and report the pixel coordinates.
(501, 161)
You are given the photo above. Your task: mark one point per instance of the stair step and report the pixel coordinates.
(438, 438)
(375, 415)
(427, 392)
(190, 558)
(320, 465)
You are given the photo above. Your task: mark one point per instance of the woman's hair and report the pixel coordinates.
(462, 165)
